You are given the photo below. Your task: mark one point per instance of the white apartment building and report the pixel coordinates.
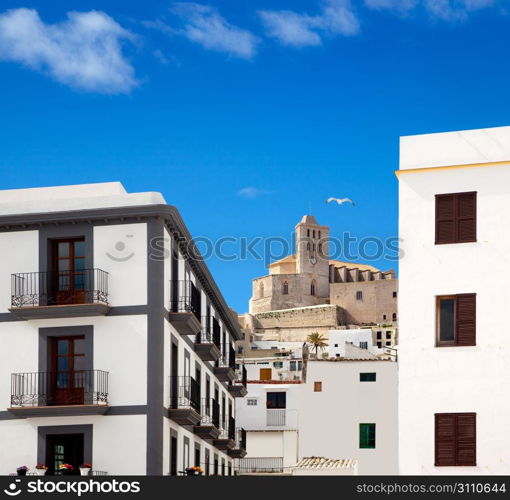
(454, 195)
(116, 346)
(269, 414)
(348, 411)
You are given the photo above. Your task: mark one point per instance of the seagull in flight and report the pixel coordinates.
(340, 201)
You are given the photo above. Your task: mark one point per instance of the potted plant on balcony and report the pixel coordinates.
(85, 469)
(193, 471)
(22, 470)
(41, 469)
(66, 469)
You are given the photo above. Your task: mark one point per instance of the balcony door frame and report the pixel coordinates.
(47, 236)
(44, 431)
(46, 336)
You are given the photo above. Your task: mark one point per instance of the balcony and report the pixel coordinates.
(209, 427)
(41, 394)
(239, 449)
(62, 294)
(260, 465)
(184, 401)
(185, 306)
(208, 341)
(276, 417)
(238, 388)
(225, 366)
(226, 439)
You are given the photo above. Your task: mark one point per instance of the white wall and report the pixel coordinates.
(454, 379)
(329, 420)
(128, 278)
(20, 254)
(273, 444)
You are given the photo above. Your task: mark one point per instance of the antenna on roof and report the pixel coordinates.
(309, 208)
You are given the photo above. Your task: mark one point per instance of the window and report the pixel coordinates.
(388, 343)
(317, 387)
(314, 233)
(278, 364)
(336, 345)
(363, 345)
(379, 335)
(379, 345)
(312, 288)
(276, 400)
(394, 317)
(261, 290)
(367, 435)
(394, 295)
(384, 316)
(388, 335)
(308, 233)
(456, 320)
(455, 218)
(367, 377)
(359, 295)
(296, 366)
(455, 439)
(251, 402)
(265, 374)
(285, 290)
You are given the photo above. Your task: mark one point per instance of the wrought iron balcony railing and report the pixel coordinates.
(260, 465)
(210, 412)
(86, 286)
(240, 439)
(84, 387)
(185, 297)
(184, 393)
(228, 358)
(209, 333)
(242, 376)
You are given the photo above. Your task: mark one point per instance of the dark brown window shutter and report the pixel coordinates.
(465, 324)
(445, 218)
(445, 449)
(466, 217)
(466, 439)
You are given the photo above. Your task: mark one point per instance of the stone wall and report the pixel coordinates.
(377, 305)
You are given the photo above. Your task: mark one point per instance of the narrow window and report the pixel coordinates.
(455, 439)
(394, 295)
(314, 233)
(394, 317)
(367, 377)
(367, 436)
(456, 320)
(317, 387)
(379, 335)
(359, 295)
(312, 288)
(455, 218)
(261, 290)
(285, 290)
(384, 316)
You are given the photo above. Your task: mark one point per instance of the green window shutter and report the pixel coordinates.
(367, 435)
(367, 377)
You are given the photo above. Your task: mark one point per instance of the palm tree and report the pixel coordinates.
(317, 341)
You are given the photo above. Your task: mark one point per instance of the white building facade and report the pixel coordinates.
(348, 411)
(269, 414)
(375, 340)
(116, 344)
(454, 191)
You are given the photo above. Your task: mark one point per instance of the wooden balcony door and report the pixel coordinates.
(68, 273)
(68, 376)
(64, 449)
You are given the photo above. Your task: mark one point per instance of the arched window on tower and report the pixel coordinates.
(308, 233)
(313, 288)
(314, 233)
(319, 234)
(308, 246)
(285, 288)
(261, 290)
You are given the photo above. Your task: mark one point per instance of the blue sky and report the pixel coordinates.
(245, 114)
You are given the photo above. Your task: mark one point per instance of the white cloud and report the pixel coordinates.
(301, 30)
(83, 51)
(447, 10)
(398, 5)
(205, 26)
(252, 192)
